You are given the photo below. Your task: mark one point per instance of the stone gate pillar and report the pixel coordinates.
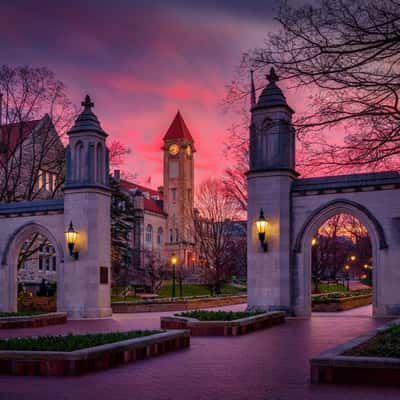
(87, 196)
(272, 163)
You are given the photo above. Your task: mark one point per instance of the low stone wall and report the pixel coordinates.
(224, 328)
(343, 304)
(176, 304)
(33, 321)
(333, 367)
(47, 363)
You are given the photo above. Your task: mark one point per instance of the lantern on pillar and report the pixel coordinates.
(71, 236)
(261, 225)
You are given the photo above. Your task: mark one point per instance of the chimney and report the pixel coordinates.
(1, 108)
(117, 175)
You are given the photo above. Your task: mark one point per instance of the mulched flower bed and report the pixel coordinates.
(20, 314)
(31, 319)
(73, 355)
(329, 297)
(203, 315)
(370, 359)
(221, 323)
(70, 342)
(385, 344)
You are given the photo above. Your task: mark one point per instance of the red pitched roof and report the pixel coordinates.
(13, 135)
(178, 129)
(149, 204)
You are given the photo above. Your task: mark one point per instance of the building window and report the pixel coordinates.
(99, 163)
(79, 173)
(173, 169)
(171, 236)
(149, 234)
(159, 235)
(47, 181)
(176, 235)
(40, 262)
(47, 262)
(173, 194)
(54, 260)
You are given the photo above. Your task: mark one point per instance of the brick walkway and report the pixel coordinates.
(268, 365)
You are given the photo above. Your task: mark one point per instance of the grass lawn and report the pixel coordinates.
(384, 344)
(193, 289)
(203, 315)
(21, 314)
(70, 342)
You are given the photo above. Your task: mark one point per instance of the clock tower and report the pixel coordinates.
(178, 190)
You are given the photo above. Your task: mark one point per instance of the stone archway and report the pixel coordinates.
(301, 285)
(8, 283)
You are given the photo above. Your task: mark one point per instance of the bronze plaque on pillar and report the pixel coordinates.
(103, 275)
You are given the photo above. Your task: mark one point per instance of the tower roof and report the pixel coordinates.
(178, 129)
(272, 95)
(87, 120)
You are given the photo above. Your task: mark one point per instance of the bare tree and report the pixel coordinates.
(213, 232)
(118, 152)
(154, 270)
(346, 54)
(35, 112)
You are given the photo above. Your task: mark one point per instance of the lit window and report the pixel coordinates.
(54, 182)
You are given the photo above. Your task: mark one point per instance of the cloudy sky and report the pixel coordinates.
(141, 61)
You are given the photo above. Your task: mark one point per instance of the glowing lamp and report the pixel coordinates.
(174, 259)
(314, 242)
(353, 258)
(261, 225)
(70, 236)
(347, 268)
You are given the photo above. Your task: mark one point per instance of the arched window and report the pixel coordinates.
(149, 234)
(171, 236)
(160, 235)
(99, 164)
(79, 162)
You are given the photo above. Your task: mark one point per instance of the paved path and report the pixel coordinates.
(268, 365)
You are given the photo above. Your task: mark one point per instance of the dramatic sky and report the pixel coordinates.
(141, 61)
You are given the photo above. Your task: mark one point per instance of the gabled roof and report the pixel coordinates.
(150, 204)
(13, 135)
(178, 129)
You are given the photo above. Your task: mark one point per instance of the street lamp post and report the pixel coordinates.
(316, 263)
(347, 275)
(174, 260)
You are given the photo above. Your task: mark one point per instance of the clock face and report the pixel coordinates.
(173, 149)
(189, 151)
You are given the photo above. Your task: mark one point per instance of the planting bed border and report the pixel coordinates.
(342, 304)
(33, 321)
(176, 304)
(332, 366)
(224, 328)
(79, 362)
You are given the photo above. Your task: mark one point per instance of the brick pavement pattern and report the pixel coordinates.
(270, 365)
